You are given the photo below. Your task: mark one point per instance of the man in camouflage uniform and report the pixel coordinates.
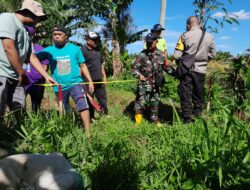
(148, 69)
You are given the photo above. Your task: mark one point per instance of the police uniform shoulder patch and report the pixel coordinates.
(180, 44)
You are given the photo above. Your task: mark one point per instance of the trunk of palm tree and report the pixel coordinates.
(202, 12)
(117, 65)
(163, 14)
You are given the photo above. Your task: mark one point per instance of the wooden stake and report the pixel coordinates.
(60, 99)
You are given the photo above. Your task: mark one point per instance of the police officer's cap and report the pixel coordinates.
(92, 36)
(151, 37)
(157, 27)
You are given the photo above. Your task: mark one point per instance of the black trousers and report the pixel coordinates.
(36, 95)
(101, 96)
(191, 93)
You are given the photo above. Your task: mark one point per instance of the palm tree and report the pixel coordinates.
(117, 28)
(126, 31)
(163, 13)
(206, 8)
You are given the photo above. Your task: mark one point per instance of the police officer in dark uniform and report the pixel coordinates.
(148, 69)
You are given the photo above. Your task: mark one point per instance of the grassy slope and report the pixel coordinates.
(205, 155)
(119, 155)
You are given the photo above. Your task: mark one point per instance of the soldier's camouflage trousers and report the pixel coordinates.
(150, 99)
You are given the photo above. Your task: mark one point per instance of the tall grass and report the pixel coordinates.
(212, 153)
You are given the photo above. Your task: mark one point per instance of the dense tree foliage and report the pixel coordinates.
(76, 14)
(223, 56)
(205, 10)
(9, 5)
(70, 13)
(118, 28)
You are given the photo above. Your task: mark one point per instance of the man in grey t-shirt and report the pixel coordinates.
(191, 88)
(15, 48)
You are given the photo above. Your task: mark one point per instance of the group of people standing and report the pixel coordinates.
(152, 61)
(21, 71)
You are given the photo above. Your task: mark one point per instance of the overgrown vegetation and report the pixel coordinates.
(204, 10)
(212, 153)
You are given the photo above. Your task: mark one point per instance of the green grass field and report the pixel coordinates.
(212, 153)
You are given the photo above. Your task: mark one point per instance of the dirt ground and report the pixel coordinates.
(49, 101)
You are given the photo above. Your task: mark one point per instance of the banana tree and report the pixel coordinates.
(72, 14)
(126, 31)
(118, 28)
(108, 11)
(10, 5)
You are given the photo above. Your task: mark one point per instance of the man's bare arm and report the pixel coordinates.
(104, 74)
(13, 56)
(34, 61)
(86, 74)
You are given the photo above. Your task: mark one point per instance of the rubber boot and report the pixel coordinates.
(138, 118)
(158, 124)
